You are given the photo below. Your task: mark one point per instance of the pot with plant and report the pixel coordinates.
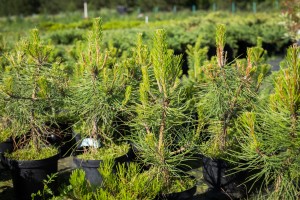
(30, 93)
(269, 136)
(160, 136)
(227, 92)
(99, 91)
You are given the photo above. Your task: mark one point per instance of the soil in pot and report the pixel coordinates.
(220, 178)
(28, 175)
(180, 190)
(89, 163)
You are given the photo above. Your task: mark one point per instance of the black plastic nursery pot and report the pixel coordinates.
(220, 178)
(6, 146)
(90, 167)
(133, 151)
(28, 175)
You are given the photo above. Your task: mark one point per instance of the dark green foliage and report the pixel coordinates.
(27, 7)
(182, 29)
(19, 7)
(66, 37)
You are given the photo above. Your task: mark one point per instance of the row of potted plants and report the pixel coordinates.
(140, 105)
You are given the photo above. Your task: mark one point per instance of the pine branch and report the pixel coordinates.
(181, 149)
(147, 129)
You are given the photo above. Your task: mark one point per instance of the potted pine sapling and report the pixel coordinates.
(269, 137)
(98, 93)
(228, 91)
(30, 94)
(161, 138)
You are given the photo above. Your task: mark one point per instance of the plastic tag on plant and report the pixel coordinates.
(90, 142)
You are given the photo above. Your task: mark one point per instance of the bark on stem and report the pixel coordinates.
(162, 126)
(32, 118)
(228, 116)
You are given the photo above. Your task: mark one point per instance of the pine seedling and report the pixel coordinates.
(97, 94)
(276, 128)
(228, 91)
(31, 90)
(161, 111)
(285, 105)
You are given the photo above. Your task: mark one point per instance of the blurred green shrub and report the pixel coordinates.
(66, 37)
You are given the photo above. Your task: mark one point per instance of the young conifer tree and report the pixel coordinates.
(228, 90)
(31, 92)
(269, 137)
(99, 90)
(160, 134)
